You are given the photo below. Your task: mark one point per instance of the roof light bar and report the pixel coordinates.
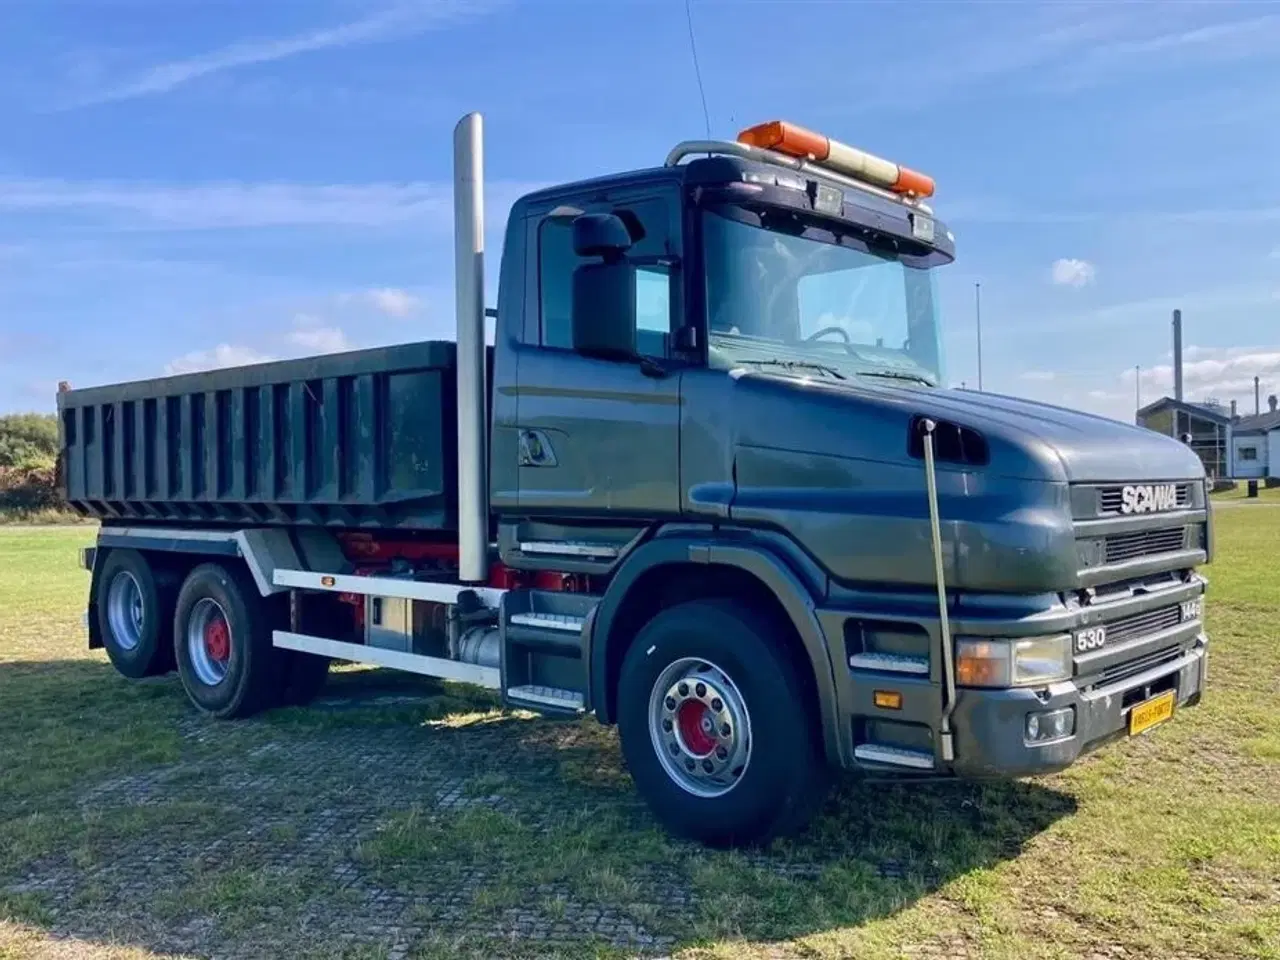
(796, 141)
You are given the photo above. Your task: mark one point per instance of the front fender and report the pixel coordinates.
(758, 559)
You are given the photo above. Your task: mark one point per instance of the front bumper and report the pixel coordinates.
(893, 653)
(990, 725)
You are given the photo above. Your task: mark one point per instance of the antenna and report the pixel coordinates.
(697, 70)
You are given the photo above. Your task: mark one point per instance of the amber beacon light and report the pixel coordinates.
(796, 141)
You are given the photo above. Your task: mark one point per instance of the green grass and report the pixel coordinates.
(1164, 846)
(1241, 492)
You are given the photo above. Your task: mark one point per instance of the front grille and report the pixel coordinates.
(1141, 624)
(1111, 499)
(1131, 668)
(1120, 547)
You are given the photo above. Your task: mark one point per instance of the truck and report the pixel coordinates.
(707, 483)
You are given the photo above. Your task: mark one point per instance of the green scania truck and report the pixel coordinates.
(706, 483)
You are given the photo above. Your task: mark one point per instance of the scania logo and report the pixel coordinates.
(1148, 497)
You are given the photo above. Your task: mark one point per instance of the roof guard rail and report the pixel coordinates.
(729, 148)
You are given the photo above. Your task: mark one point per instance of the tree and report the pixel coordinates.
(28, 440)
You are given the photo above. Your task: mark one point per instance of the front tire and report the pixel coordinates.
(135, 611)
(222, 643)
(716, 728)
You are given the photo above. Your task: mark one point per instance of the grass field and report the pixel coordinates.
(400, 818)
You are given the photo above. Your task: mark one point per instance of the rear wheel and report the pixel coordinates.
(135, 610)
(716, 728)
(222, 643)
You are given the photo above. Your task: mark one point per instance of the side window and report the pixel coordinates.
(653, 310)
(557, 261)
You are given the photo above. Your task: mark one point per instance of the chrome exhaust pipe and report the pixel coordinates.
(468, 245)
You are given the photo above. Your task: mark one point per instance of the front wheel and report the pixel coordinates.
(716, 728)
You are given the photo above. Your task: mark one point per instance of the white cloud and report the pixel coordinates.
(1223, 374)
(1070, 272)
(210, 206)
(391, 23)
(313, 335)
(1039, 376)
(1181, 48)
(223, 355)
(394, 302)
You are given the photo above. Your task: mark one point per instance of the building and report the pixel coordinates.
(1208, 426)
(1229, 446)
(1255, 444)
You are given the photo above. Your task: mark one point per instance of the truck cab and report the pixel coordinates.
(711, 487)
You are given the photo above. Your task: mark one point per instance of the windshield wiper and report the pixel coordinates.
(800, 365)
(897, 375)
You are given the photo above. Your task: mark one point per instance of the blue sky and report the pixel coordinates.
(183, 185)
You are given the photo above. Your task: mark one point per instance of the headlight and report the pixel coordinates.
(1012, 663)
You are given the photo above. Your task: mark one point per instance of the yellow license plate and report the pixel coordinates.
(1146, 715)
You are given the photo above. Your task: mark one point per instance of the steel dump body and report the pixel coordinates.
(367, 438)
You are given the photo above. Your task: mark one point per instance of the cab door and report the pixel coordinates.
(598, 437)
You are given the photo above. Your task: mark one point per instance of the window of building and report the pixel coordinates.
(1248, 453)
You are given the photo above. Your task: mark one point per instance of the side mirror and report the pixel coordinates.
(604, 309)
(600, 235)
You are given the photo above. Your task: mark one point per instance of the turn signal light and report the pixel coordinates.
(796, 141)
(981, 664)
(887, 699)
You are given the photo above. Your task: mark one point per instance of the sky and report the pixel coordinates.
(209, 183)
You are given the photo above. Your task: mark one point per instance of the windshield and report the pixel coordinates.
(784, 293)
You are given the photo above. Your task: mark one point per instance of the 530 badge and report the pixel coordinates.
(1090, 638)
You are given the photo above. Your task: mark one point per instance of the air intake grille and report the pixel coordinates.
(952, 443)
(1110, 499)
(1122, 671)
(1130, 546)
(1142, 624)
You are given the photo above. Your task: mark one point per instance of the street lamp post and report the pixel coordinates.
(977, 313)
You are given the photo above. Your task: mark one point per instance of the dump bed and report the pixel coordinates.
(367, 438)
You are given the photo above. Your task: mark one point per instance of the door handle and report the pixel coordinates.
(536, 450)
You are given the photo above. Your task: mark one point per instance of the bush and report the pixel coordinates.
(29, 490)
(28, 440)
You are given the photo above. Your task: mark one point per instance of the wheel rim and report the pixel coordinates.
(209, 641)
(124, 610)
(700, 727)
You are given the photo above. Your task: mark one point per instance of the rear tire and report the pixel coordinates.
(135, 613)
(716, 728)
(222, 643)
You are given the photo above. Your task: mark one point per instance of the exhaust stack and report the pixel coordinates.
(1177, 355)
(468, 245)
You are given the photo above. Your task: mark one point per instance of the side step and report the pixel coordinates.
(890, 663)
(543, 660)
(547, 697)
(570, 548)
(549, 621)
(894, 756)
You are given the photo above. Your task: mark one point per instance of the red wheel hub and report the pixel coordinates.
(217, 639)
(697, 727)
